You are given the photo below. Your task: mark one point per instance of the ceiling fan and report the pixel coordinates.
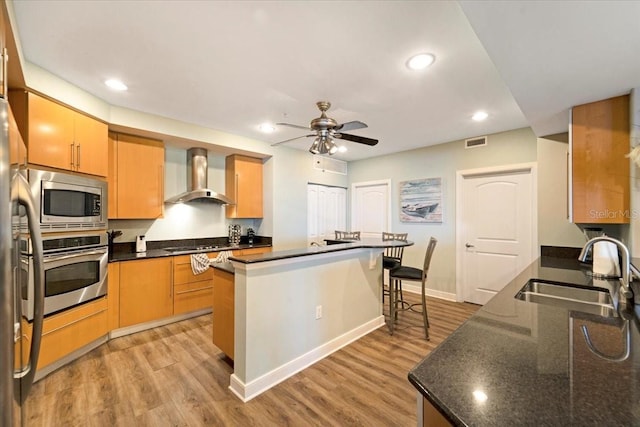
(326, 130)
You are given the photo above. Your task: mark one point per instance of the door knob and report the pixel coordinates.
(467, 245)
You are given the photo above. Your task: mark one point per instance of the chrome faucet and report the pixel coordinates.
(626, 261)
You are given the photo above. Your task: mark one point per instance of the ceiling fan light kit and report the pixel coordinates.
(326, 130)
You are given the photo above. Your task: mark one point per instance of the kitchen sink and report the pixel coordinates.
(573, 297)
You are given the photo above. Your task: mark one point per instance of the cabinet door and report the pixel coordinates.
(192, 291)
(113, 294)
(50, 140)
(600, 170)
(90, 138)
(224, 311)
(146, 290)
(243, 181)
(112, 175)
(140, 175)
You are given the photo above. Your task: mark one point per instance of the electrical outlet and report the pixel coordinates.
(318, 312)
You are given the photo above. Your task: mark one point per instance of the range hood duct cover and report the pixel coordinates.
(197, 176)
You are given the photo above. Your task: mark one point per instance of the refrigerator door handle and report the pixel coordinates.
(21, 193)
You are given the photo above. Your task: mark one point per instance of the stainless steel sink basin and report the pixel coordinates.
(573, 297)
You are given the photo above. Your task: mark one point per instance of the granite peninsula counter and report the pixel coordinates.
(523, 363)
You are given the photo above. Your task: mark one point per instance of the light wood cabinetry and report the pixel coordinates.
(431, 417)
(253, 251)
(224, 311)
(113, 295)
(146, 290)
(17, 148)
(600, 170)
(72, 329)
(136, 177)
(59, 137)
(243, 182)
(192, 292)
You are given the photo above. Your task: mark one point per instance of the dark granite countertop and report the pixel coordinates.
(532, 364)
(313, 250)
(164, 248)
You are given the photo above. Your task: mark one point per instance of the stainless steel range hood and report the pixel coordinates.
(197, 176)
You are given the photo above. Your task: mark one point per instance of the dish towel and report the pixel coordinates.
(199, 263)
(223, 256)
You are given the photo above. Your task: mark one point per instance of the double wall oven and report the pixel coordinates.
(73, 220)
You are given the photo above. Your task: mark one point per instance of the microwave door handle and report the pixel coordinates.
(20, 192)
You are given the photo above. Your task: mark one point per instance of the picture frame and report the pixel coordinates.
(421, 200)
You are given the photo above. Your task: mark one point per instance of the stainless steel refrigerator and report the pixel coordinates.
(19, 338)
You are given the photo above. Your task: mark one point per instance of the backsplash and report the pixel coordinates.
(182, 221)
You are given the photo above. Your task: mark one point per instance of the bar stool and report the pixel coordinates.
(416, 275)
(347, 235)
(392, 258)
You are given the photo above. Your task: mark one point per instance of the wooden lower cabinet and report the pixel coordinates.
(431, 417)
(146, 290)
(192, 291)
(253, 251)
(70, 330)
(113, 295)
(223, 311)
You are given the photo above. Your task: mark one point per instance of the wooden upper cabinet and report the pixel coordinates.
(59, 137)
(600, 170)
(136, 177)
(243, 182)
(17, 148)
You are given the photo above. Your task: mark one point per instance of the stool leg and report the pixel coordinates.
(425, 317)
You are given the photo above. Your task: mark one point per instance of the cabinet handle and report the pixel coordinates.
(78, 159)
(236, 195)
(5, 72)
(171, 281)
(71, 148)
(161, 189)
(206, 288)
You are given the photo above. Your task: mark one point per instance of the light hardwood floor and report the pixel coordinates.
(175, 376)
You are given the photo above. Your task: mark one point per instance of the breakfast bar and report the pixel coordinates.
(295, 307)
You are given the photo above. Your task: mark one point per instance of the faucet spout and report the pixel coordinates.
(626, 261)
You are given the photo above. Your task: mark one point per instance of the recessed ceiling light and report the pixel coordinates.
(116, 84)
(479, 116)
(267, 128)
(420, 61)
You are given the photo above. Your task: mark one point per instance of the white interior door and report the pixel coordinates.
(496, 230)
(371, 208)
(326, 212)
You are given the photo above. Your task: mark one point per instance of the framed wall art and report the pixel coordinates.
(421, 200)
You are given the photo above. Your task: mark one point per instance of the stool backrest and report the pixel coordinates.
(347, 235)
(394, 252)
(427, 257)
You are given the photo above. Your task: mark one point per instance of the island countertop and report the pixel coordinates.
(372, 243)
(523, 363)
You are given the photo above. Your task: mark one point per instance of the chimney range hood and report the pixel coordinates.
(197, 175)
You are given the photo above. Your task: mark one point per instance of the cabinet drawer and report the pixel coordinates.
(182, 272)
(68, 331)
(193, 296)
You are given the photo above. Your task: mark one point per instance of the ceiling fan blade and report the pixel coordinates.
(350, 126)
(358, 139)
(293, 126)
(292, 139)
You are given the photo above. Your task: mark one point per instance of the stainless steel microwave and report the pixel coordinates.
(67, 202)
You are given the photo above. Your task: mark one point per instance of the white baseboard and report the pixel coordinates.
(128, 330)
(246, 392)
(416, 289)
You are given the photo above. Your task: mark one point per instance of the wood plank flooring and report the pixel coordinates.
(174, 376)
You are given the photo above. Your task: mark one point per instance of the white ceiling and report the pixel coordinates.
(231, 65)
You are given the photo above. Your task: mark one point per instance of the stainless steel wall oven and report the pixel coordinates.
(75, 271)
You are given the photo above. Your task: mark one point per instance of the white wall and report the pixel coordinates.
(554, 228)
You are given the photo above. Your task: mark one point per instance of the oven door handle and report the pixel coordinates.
(21, 193)
(55, 258)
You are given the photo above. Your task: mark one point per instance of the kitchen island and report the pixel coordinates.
(295, 307)
(523, 363)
